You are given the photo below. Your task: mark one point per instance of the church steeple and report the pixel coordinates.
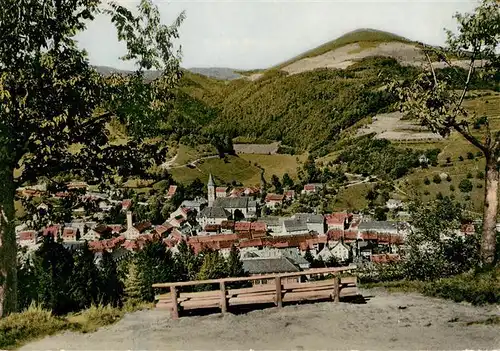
(211, 190)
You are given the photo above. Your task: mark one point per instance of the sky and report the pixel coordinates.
(259, 34)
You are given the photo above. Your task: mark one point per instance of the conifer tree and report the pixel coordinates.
(187, 262)
(84, 283)
(155, 264)
(132, 284)
(234, 264)
(214, 266)
(54, 267)
(111, 290)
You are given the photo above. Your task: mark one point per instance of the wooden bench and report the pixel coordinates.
(331, 288)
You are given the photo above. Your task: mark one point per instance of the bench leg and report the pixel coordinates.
(175, 305)
(336, 289)
(279, 296)
(223, 297)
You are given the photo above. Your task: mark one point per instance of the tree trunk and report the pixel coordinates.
(8, 245)
(488, 239)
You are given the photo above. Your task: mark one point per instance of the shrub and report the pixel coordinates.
(448, 159)
(460, 158)
(436, 179)
(469, 175)
(379, 272)
(479, 186)
(439, 196)
(426, 192)
(94, 317)
(476, 288)
(470, 155)
(452, 188)
(426, 181)
(465, 185)
(448, 178)
(30, 324)
(480, 175)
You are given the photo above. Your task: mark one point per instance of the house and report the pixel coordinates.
(197, 204)
(312, 188)
(212, 229)
(213, 215)
(126, 204)
(163, 229)
(294, 226)
(314, 223)
(379, 227)
(251, 191)
(337, 221)
(27, 237)
(325, 254)
(294, 256)
(172, 190)
(237, 192)
(274, 224)
(393, 204)
(134, 230)
(220, 192)
(70, 234)
(274, 200)
(53, 230)
(270, 265)
(341, 252)
(227, 227)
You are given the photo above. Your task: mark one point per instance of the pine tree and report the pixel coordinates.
(85, 282)
(155, 264)
(54, 267)
(111, 291)
(235, 268)
(133, 284)
(234, 264)
(187, 262)
(214, 266)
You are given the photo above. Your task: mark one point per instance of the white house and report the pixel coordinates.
(274, 200)
(340, 252)
(314, 223)
(212, 215)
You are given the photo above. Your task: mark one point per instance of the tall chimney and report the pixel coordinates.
(129, 219)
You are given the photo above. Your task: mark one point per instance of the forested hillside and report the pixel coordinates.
(306, 110)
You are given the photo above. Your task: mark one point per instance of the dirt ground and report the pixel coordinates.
(385, 322)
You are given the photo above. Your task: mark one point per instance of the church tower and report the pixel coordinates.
(211, 191)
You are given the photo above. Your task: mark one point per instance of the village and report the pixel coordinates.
(230, 217)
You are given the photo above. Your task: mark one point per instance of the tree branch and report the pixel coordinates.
(472, 139)
(432, 68)
(469, 75)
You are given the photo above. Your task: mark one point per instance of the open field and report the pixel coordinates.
(241, 169)
(386, 322)
(352, 197)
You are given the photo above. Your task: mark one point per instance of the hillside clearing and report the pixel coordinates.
(244, 169)
(385, 322)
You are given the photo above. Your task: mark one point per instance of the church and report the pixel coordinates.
(220, 207)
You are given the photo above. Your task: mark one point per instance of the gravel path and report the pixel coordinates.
(385, 322)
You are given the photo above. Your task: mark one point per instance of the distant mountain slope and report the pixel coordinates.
(364, 36)
(221, 73)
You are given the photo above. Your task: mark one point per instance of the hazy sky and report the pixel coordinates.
(259, 34)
